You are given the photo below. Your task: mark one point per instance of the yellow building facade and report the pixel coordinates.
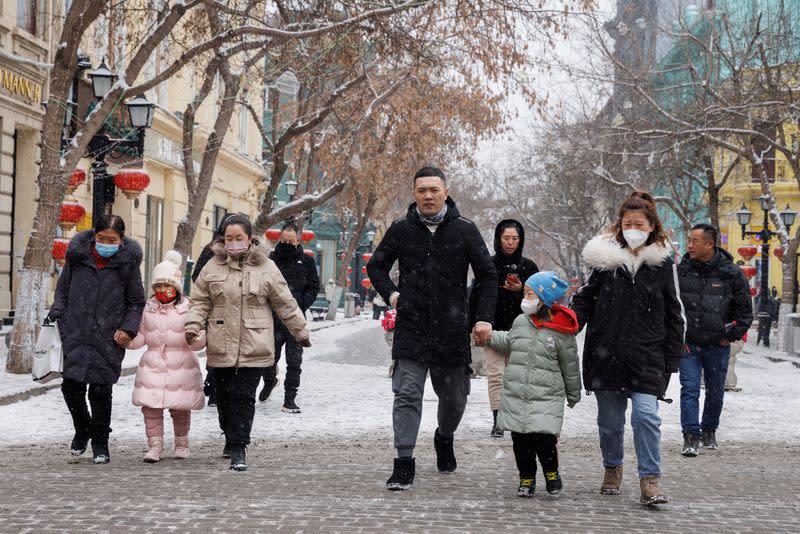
(743, 190)
(152, 218)
(26, 37)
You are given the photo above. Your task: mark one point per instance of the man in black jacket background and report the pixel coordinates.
(300, 272)
(435, 248)
(771, 314)
(716, 296)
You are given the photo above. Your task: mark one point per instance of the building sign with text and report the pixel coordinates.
(19, 86)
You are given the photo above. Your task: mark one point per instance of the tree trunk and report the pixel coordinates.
(788, 293)
(197, 198)
(35, 273)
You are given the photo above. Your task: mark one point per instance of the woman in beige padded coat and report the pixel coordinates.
(232, 301)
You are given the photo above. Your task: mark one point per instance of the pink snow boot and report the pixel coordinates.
(181, 447)
(156, 445)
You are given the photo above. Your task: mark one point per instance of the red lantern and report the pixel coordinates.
(307, 236)
(747, 251)
(60, 250)
(366, 283)
(779, 252)
(273, 234)
(132, 181)
(309, 253)
(341, 256)
(71, 214)
(753, 291)
(349, 269)
(77, 177)
(366, 257)
(349, 282)
(749, 271)
(574, 280)
(364, 269)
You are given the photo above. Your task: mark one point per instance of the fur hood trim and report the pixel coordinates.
(604, 253)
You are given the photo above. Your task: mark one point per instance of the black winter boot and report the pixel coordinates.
(690, 445)
(79, 443)
(289, 405)
(238, 458)
(709, 439)
(269, 385)
(100, 452)
(552, 480)
(403, 474)
(445, 457)
(496, 432)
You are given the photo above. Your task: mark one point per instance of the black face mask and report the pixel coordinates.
(285, 249)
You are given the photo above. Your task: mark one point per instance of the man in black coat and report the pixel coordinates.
(513, 269)
(769, 315)
(716, 296)
(300, 272)
(435, 247)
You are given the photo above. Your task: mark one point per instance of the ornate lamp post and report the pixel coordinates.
(140, 114)
(765, 235)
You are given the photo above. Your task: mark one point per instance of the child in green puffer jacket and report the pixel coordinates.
(542, 373)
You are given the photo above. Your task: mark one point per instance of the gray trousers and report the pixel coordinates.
(451, 385)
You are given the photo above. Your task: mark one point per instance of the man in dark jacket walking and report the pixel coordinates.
(512, 271)
(716, 297)
(768, 317)
(435, 247)
(300, 272)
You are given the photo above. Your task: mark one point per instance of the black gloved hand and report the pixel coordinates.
(666, 378)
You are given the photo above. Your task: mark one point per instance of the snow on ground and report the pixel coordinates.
(346, 391)
(13, 384)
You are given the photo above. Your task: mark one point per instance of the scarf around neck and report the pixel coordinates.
(435, 220)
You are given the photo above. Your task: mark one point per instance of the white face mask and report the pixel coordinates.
(530, 307)
(635, 238)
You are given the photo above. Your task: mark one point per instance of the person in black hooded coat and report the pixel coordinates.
(98, 304)
(512, 271)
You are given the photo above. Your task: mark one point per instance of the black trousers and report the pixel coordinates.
(235, 388)
(294, 361)
(377, 311)
(528, 446)
(764, 327)
(97, 424)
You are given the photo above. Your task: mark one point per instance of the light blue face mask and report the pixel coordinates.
(106, 251)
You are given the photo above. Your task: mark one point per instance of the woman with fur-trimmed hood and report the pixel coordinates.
(634, 338)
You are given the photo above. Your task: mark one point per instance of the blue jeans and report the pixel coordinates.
(611, 408)
(712, 363)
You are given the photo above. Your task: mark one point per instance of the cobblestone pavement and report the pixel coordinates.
(305, 482)
(312, 486)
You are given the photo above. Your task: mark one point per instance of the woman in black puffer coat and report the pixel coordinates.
(98, 303)
(634, 338)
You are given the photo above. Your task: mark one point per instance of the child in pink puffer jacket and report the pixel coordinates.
(169, 375)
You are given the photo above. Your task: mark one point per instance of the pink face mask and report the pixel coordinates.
(236, 247)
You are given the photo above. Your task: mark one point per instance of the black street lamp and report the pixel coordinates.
(140, 114)
(765, 235)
